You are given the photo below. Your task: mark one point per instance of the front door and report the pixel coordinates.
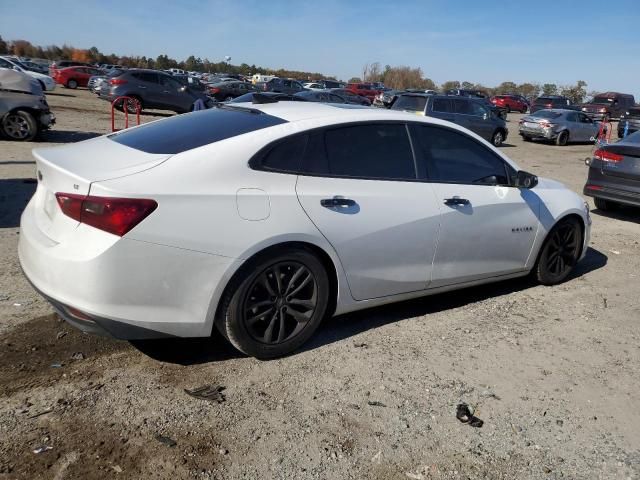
(487, 226)
(363, 195)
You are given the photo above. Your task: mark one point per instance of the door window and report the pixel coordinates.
(373, 151)
(453, 157)
(461, 106)
(477, 109)
(169, 82)
(572, 117)
(285, 156)
(146, 76)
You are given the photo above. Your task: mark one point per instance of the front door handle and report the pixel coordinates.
(337, 202)
(456, 201)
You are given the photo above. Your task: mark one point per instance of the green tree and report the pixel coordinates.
(576, 93)
(549, 89)
(450, 85)
(355, 80)
(506, 87)
(3, 46)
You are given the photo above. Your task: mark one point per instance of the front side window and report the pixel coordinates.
(442, 105)
(477, 109)
(371, 151)
(453, 157)
(462, 106)
(413, 103)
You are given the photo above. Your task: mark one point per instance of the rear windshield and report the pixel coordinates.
(602, 100)
(410, 102)
(544, 100)
(193, 130)
(546, 114)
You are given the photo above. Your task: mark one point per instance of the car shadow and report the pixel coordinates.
(625, 213)
(188, 351)
(18, 162)
(345, 326)
(147, 113)
(67, 136)
(195, 351)
(15, 193)
(506, 145)
(59, 94)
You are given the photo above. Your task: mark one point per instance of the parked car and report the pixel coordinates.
(609, 105)
(629, 121)
(511, 102)
(34, 66)
(385, 99)
(152, 89)
(260, 78)
(561, 126)
(614, 174)
(323, 209)
(98, 82)
(467, 112)
(552, 101)
(465, 92)
(24, 112)
(46, 82)
(176, 71)
(351, 97)
(366, 90)
(313, 86)
(267, 97)
(280, 85)
(325, 96)
(67, 63)
(225, 91)
(74, 77)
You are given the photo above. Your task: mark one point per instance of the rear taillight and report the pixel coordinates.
(549, 105)
(117, 81)
(113, 215)
(547, 125)
(606, 156)
(214, 90)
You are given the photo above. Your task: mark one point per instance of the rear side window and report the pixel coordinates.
(410, 102)
(373, 151)
(442, 105)
(185, 132)
(285, 156)
(453, 157)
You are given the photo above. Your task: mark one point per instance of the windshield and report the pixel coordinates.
(548, 114)
(413, 103)
(602, 100)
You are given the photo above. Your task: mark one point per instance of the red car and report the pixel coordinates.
(74, 77)
(363, 89)
(511, 102)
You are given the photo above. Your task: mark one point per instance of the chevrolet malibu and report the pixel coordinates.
(261, 220)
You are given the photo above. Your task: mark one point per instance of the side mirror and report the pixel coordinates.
(526, 180)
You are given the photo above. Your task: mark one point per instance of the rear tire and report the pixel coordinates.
(559, 253)
(132, 104)
(525, 138)
(19, 126)
(562, 139)
(276, 303)
(72, 84)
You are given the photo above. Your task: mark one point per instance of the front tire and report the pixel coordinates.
(133, 104)
(72, 84)
(604, 205)
(497, 138)
(560, 252)
(562, 139)
(19, 126)
(276, 304)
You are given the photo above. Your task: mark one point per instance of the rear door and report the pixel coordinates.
(147, 85)
(360, 189)
(480, 120)
(487, 226)
(587, 126)
(174, 95)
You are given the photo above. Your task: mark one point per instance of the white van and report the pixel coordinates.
(258, 77)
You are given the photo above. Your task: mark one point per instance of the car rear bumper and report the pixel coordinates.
(547, 134)
(615, 189)
(125, 288)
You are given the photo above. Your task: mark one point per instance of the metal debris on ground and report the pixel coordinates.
(361, 345)
(57, 365)
(463, 413)
(208, 392)
(61, 334)
(39, 414)
(42, 449)
(375, 403)
(77, 356)
(169, 442)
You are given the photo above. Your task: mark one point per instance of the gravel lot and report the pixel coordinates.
(554, 372)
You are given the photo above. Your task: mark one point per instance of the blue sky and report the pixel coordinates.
(486, 41)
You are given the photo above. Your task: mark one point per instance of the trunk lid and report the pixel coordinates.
(627, 167)
(72, 169)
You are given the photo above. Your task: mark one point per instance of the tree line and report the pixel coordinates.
(397, 77)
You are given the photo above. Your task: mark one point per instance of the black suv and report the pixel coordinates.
(153, 89)
(552, 101)
(468, 112)
(280, 85)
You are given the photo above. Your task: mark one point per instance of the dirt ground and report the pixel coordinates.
(554, 372)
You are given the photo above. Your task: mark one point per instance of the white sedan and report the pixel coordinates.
(261, 220)
(46, 82)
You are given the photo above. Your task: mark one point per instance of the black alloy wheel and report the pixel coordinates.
(560, 252)
(276, 304)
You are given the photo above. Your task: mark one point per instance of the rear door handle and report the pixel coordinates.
(337, 202)
(456, 201)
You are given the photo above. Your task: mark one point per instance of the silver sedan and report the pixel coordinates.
(559, 125)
